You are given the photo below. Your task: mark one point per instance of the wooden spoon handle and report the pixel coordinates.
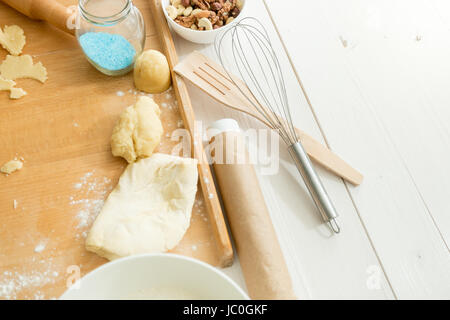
(50, 11)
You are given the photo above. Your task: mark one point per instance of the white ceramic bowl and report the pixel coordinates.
(198, 36)
(155, 276)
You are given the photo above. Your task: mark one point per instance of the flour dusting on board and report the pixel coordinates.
(91, 192)
(40, 247)
(13, 282)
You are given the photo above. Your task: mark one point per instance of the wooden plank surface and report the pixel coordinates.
(377, 74)
(62, 130)
(321, 266)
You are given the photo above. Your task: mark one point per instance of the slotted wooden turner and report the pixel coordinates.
(211, 78)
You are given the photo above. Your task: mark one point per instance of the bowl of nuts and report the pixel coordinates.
(200, 21)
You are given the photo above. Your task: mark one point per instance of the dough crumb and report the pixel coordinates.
(11, 166)
(17, 93)
(14, 67)
(14, 93)
(12, 39)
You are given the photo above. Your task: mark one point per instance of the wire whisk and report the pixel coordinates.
(246, 48)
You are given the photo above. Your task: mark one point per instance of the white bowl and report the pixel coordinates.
(198, 36)
(155, 276)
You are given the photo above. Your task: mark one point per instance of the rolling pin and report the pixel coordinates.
(262, 262)
(50, 11)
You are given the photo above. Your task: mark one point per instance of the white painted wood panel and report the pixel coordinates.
(321, 266)
(377, 75)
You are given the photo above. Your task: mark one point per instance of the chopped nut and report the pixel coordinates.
(180, 10)
(194, 14)
(216, 6)
(172, 12)
(230, 19)
(185, 21)
(235, 12)
(205, 23)
(196, 11)
(202, 14)
(187, 12)
(202, 4)
(214, 18)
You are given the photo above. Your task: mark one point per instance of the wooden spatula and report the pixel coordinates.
(213, 79)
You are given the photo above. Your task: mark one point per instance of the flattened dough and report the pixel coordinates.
(11, 166)
(149, 210)
(138, 131)
(12, 39)
(14, 67)
(8, 85)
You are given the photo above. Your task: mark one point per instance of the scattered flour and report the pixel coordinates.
(120, 93)
(13, 282)
(91, 194)
(40, 247)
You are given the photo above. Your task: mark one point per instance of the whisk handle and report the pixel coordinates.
(314, 185)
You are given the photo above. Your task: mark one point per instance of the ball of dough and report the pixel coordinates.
(152, 72)
(138, 131)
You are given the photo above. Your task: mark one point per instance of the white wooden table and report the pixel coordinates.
(377, 78)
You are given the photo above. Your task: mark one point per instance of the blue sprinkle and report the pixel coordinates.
(109, 51)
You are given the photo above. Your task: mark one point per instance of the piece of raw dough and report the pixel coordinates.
(138, 131)
(152, 72)
(12, 39)
(14, 67)
(11, 166)
(17, 93)
(8, 85)
(149, 210)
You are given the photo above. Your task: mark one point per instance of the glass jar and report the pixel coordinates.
(111, 34)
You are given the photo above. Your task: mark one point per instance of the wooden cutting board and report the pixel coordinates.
(62, 130)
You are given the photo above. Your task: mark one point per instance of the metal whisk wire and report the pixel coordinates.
(246, 33)
(255, 60)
